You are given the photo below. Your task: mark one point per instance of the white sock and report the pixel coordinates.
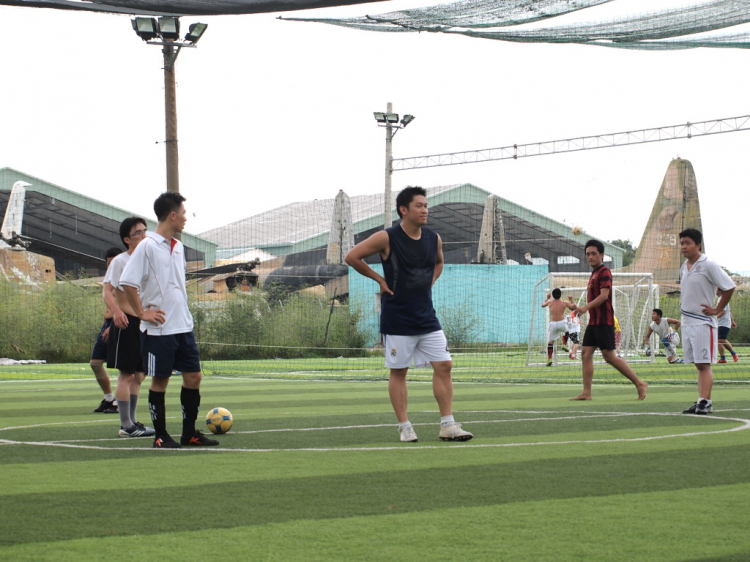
(109, 397)
(446, 420)
(404, 425)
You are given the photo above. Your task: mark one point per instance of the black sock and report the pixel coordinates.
(158, 411)
(190, 398)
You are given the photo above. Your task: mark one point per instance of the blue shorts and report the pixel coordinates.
(723, 332)
(100, 347)
(164, 354)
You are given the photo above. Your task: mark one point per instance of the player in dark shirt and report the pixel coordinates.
(600, 331)
(412, 261)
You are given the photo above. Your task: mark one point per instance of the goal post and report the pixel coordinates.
(634, 296)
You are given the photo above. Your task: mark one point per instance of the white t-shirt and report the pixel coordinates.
(725, 319)
(157, 269)
(115, 269)
(662, 329)
(698, 287)
(572, 323)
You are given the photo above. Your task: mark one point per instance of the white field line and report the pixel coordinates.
(744, 424)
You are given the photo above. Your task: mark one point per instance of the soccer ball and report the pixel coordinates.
(577, 230)
(219, 420)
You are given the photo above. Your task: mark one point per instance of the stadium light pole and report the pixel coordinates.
(390, 121)
(166, 32)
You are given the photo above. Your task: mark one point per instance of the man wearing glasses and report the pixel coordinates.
(124, 343)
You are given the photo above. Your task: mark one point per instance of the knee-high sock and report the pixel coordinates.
(158, 411)
(125, 421)
(133, 407)
(190, 398)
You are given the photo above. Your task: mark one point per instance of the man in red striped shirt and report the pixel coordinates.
(600, 331)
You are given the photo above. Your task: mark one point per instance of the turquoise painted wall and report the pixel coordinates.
(497, 299)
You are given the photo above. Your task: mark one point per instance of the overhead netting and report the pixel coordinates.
(181, 7)
(709, 24)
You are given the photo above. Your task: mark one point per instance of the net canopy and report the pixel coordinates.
(183, 7)
(708, 24)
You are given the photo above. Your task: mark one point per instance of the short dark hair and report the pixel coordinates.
(406, 196)
(113, 252)
(659, 312)
(556, 293)
(166, 203)
(694, 234)
(596, 244)
(126, 226)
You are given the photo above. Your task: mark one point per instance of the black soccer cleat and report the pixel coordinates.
(108, 407)
(197, 439)
(690, 410)
(701, 408)
(165, 441)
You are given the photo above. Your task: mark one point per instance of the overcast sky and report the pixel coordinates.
(271, 112)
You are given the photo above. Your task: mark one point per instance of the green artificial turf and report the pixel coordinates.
(313, 470)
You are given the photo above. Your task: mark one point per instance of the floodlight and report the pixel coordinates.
(145, 28)
(379, 116)
(407, 119)
(391, 117)
(169, 28)
(195, 32)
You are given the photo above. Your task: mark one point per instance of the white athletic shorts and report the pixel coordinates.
(403, 351)
(557, 329)
(699, 343)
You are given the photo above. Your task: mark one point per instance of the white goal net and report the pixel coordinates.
(634, 297)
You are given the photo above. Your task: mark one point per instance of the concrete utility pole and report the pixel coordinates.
(390, 121)
(170, 120)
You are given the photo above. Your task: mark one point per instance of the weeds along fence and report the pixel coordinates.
(282, 333)
(59, 322)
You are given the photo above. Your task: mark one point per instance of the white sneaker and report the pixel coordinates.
(453, 432)
(408, 435)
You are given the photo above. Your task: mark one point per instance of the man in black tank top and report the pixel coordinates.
(412, 259)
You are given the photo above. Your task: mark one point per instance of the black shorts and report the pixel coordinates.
(163, 354)
(723, 332)
(599, 335)
(124, 347)
(100, 347)
(573, 337)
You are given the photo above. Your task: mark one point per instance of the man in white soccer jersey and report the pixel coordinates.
(661, 327)
(154, 281)
(699, 279)
(124, 341)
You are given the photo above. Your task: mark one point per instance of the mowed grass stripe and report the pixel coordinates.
(66, 470)
(44, 517)
(616, 528)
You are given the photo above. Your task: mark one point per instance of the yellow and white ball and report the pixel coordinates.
(219, 420)
(577, 230)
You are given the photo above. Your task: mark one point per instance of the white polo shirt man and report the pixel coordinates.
(157, 270)
(698, 287)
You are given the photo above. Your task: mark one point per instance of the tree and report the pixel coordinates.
(626, 245)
